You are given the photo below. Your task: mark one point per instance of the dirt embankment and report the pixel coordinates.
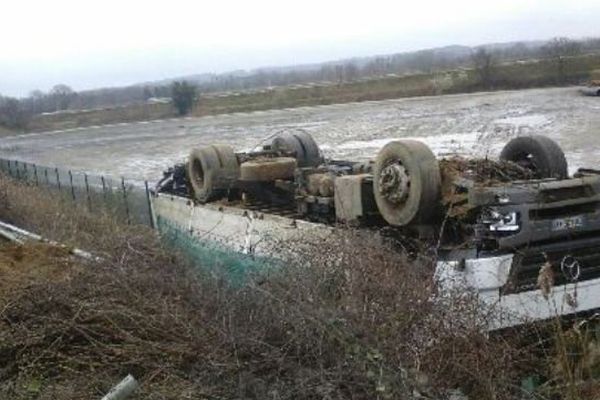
(23, 266)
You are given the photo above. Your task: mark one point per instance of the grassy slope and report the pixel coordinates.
(509, 76)
(6, 132)
(137, 112)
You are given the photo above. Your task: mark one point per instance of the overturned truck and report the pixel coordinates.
(495, 224)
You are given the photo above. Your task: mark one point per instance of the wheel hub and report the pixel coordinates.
(394, 183)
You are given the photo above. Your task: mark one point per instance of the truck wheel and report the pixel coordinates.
(301, 143)
(268, 170)
(212, 171)
(406, 183)
(540, 154)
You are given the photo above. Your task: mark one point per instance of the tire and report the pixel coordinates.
(212, 172)
(268, 170)
(415, 198)
(540, 154)
(306, 150)
(598, 93)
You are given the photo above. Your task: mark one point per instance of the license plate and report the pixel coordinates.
(560, 224)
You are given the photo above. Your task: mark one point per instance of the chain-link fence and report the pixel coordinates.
(122, 198)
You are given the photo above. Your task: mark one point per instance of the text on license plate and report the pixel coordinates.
(560, 224)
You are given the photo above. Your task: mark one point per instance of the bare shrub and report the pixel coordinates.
(354, 318)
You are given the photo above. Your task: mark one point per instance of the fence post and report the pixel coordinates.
(125, 200)
(37, 183)
(57, 178)
(104, 191)
(87, 191)
(25, 174)
(46, 175)
(9, 169)
(17, 169)
(72, 187)
(149, 205)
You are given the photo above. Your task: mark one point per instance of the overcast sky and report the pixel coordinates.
(94, 43)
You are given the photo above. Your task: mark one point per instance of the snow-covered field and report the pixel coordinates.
(470, 124)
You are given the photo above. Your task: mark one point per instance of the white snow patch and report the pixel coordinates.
(464, 144)
(524, 120)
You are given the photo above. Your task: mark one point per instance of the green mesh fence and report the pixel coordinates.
(236, 267)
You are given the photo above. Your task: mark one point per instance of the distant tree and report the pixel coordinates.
(36, 100)
(147, 93)
(339, 73)
(62, 96)
(184, 96)
(350, 71)
(326, 73)
(518, 50)
(423, 61)
(560, 50)
(13, 114)
(483, 63)
(36, 94)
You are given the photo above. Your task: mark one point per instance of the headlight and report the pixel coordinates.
(497, 221)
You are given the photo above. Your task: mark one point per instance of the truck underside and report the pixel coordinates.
(498, 226)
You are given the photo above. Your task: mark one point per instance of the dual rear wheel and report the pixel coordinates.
(213, 171)
(302, 145)
(542, 155)
(406, 183)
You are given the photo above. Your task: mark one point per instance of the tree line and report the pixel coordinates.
(559, 51)
(15, 113)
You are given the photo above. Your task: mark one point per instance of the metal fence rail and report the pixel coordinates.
(121, 197)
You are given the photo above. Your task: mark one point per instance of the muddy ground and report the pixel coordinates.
(473, 124)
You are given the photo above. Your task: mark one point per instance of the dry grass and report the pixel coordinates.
(4, 131)
(355, 320)
(75, 119)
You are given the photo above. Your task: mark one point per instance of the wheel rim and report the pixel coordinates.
(406, 182)
(394, 183)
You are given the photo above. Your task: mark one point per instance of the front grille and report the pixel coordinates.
(527, 264)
